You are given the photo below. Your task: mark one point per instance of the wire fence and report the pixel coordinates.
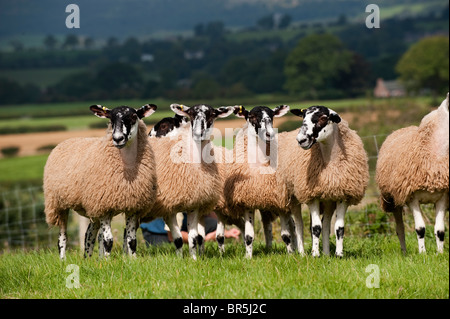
(23, 226)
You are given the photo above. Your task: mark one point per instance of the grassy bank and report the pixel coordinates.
(159, 273)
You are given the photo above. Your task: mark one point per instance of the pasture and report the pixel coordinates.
(35, 271)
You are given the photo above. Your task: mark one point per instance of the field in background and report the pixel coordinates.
(370, 233)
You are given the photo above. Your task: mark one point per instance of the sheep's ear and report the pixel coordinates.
(240, 111)
(298, 112)
(180, 109)
(223, 111)
(146, 110)
(334, 117)
(100, 111)
(280, 110)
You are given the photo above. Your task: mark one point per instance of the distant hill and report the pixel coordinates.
(123, 18)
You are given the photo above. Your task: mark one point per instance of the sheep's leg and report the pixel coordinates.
(171, 221)
(130, 235)
(439, 227)
(249, 217)
(341, 209)
(201, 235)
(267, 226)
(419, 223)
(400, 228)
(89, 239)
(107, 238)
(285, 233)
(192, 226)
(316, 226)
(220, 233)
(326, 225)
(62, 237)
(296, 212)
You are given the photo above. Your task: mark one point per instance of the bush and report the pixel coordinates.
(32, 129)
(10, 151)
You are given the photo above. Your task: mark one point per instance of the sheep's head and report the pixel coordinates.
(318, 125)
(168, 126)
(260, 119)
(124, 121)
(202, 118)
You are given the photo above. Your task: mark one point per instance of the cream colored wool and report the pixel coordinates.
(89, 176)
(245, 188)
(307, 176)
(182, 185)
(409, 160)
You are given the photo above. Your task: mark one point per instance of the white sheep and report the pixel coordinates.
(250, 182)
(413, 169)
(329, 171)
(102, 177)
(188, 179)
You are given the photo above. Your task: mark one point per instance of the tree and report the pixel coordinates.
(71, 42)
(425, 65)
(50, 42)
(316, 64)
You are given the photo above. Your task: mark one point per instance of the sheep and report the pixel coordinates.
(413, 169)
(102, 177)
(250, 181)
(188, 177)
(329, 171)
(169, 126)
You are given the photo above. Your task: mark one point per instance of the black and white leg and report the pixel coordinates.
(296, 212)
(419, 223)
(439, 228)
(172, 222)
(106, 241)
(201, 235)
(130, 242)
(192, 226)
(341, 209)
(400, 228)
(316, 226)
(326, 226)
(285, 232)
(89, 238)
(249, 217)
(220, 233)
(62, 237)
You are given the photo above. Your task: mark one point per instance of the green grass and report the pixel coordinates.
(40, 77)
(22, 168)
(159, 273)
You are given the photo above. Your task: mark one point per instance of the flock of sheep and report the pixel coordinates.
(176, 168)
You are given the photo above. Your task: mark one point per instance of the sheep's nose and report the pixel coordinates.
(118, 139)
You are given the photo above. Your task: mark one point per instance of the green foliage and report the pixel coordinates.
(316, 64)
(31, 129)
(426, 65)
(10, 151)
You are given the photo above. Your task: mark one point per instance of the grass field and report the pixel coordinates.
(159, 273)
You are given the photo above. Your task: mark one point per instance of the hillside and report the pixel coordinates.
(123, 18)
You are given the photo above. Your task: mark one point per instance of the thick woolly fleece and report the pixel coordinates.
(182, 185)
(89, 176)
(245, 188)
(410, 160)
(307, 176)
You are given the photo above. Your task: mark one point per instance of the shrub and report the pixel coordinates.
(10, 151)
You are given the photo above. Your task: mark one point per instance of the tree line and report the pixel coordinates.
(214, 63)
